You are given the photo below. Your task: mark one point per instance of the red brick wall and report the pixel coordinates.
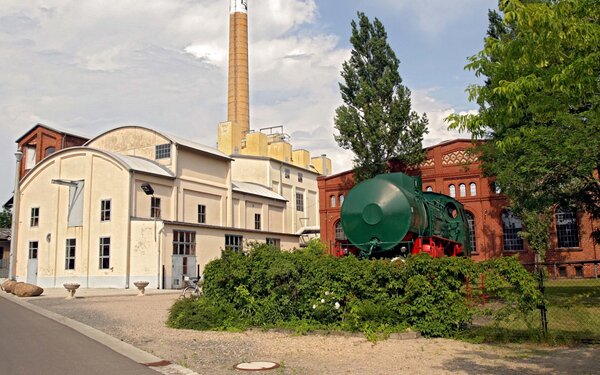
(43, 138)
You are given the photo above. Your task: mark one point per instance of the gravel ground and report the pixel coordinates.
(141, 322)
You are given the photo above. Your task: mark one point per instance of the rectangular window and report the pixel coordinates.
(286, 173)
(105, 210)
(233, 242)
(300, 202)
(257, 221)
(184, 242)
(33, 249)
(104, 253)
(300, 177)
(274, 242)
(35, 217)
(71, 244)
(163, 151)
(155, 207)
(30, 156)
(201, 214)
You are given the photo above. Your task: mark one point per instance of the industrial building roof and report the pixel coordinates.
(138, 164)
(256, 189)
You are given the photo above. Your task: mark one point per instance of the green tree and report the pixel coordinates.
(376, 121)
(5, 219)
(539, 107)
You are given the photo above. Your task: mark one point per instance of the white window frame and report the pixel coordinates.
(105, 209)
(202, 214)
(34, 220)
(162, 151)
(104, 253)
(300, 202)
(234, 242)
(70, 251)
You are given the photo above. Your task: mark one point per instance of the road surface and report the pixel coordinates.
(33, 344)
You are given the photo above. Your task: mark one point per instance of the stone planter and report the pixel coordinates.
(71, 288)
(141, 285)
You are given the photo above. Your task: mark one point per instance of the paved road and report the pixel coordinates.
(33, 344)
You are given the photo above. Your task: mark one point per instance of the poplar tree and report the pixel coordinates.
(376, 121)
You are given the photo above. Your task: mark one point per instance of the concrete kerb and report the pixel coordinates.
(114, 344)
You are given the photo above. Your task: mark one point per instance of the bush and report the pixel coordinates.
(268, 287)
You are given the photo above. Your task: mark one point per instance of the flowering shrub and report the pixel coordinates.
(272, 288)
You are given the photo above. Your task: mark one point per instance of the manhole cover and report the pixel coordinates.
(256, 366)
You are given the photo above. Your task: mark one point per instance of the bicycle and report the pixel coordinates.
(194, 288)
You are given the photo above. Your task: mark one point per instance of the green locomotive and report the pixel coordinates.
(390, 215)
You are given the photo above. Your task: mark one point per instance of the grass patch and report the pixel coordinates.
(573, 315)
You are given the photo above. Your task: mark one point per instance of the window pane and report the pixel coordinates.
(463, 190)
(332, 201)
(184, 242)
(473, 188)
(339, 232)
(471, 224)
(163, 151)
(299, 202)
(452, 190)
(567, 228)
(511, 226)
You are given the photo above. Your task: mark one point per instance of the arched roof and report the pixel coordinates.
(130, 163)
(174, 139)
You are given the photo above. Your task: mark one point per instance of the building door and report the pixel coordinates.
(183, 265)
(32, 263)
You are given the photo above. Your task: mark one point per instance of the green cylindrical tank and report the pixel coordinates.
(383, 210)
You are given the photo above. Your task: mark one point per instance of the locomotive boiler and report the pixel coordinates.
(390, 215)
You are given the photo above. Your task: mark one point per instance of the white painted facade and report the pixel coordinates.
(287, 180)
(62, 233)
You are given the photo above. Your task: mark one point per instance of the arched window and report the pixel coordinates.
(49, 151)
(567, 228)
(332, 201)
(462, 188)
(473, 189)
(471, 224)
(452, 189)
(341, 199)
(428, 188)
(511, 226)
(339, 232)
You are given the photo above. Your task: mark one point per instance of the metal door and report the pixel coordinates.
(183, 265)
(32, 270)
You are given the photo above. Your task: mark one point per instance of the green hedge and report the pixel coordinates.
(304, 289)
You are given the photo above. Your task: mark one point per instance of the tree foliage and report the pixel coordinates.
(5, 219)
(376, 121)
(539, 106)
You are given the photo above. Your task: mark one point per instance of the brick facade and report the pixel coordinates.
(41, 141)
(450, 164)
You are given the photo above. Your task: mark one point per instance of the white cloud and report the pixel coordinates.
(424, 101)
(92, 65)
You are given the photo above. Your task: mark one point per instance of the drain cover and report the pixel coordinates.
(256, 366)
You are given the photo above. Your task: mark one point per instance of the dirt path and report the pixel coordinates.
(140, 321)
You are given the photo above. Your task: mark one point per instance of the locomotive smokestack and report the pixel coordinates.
(238, 108)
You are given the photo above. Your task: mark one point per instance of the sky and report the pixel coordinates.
(88, 66)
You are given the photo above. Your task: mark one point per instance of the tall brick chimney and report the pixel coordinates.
(238, 109)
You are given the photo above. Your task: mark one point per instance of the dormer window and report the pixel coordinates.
(163, 151)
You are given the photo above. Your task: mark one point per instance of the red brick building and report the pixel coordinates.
(41, 141)
(450, 169)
